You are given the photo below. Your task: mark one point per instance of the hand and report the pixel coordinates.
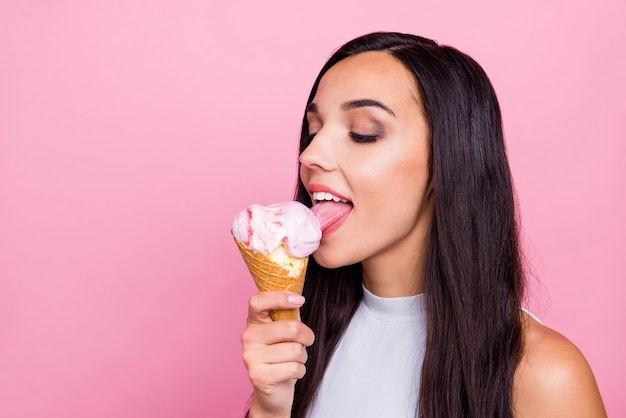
(274, 353)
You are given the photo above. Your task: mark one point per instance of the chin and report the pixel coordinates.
(329, 261)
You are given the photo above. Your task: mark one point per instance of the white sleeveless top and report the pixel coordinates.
(375, 370)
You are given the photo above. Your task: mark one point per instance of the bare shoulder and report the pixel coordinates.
(553, 378)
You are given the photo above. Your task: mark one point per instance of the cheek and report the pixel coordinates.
(412, 166)
(403, 174)
(403, 185)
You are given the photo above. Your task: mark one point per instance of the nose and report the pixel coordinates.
(318, 155)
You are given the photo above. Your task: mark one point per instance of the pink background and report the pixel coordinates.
(131, 133)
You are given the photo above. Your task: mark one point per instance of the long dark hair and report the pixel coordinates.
(473, 272)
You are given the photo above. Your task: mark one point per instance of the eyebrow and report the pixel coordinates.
(355, 104)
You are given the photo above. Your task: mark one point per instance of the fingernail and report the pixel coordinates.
(296, 300)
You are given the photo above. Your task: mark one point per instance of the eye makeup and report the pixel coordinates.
(360, 138)
(363, 130)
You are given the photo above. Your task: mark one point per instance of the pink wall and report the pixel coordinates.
(131, 132)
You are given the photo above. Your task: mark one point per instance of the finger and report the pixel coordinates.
(261, 303)
(268, 375)
(274, 354)
(255, 335)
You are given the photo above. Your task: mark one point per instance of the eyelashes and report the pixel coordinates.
(356, 137)
(360, 138)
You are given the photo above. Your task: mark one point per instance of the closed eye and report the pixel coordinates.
(360, 138)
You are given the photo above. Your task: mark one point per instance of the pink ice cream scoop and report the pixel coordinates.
(265, 228)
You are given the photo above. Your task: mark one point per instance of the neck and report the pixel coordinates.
(399, 270)
(396, 275)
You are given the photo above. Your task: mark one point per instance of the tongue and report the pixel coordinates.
(329, 212)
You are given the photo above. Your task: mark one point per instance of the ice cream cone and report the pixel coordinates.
(276, 271)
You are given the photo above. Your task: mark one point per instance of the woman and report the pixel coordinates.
(413, 297)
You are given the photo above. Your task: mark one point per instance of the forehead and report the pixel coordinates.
(373, 75)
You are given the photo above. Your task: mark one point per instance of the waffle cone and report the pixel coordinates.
(270, 275)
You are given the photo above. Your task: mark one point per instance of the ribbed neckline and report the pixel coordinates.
(405, 308)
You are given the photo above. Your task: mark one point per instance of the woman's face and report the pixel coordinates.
(370, 147)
